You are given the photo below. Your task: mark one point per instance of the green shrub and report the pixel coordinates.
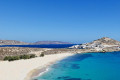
(24, 56)
(32, 56)
(12, 58)
(6, 58)
(21, 56)
(42, 55)
(16, 57)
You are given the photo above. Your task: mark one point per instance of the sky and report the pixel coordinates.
(76, 21)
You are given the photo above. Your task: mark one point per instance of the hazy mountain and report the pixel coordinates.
(50, 42)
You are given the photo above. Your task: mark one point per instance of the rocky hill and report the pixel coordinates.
(12, 42)
(100, 44)
(50, 42)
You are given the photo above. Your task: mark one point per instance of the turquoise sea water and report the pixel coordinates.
(87, 66)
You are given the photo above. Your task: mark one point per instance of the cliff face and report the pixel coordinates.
(100, 44)
(11, 42)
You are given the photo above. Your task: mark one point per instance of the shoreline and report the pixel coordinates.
(37, 72)
(26, 69)
(42, 69)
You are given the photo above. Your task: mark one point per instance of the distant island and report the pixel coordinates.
(14, 42)
(50, 42)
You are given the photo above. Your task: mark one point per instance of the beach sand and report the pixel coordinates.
(24, 69)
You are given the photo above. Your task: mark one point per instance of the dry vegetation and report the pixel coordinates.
(15, 51)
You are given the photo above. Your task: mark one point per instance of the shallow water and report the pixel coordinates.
(87, 66)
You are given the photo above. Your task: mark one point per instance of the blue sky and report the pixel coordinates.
(74, 21)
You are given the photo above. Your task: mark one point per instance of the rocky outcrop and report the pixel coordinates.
(100, 44)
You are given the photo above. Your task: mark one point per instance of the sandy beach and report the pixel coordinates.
(23, 69)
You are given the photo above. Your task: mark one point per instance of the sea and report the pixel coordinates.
(86, 66)
(41, 46)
